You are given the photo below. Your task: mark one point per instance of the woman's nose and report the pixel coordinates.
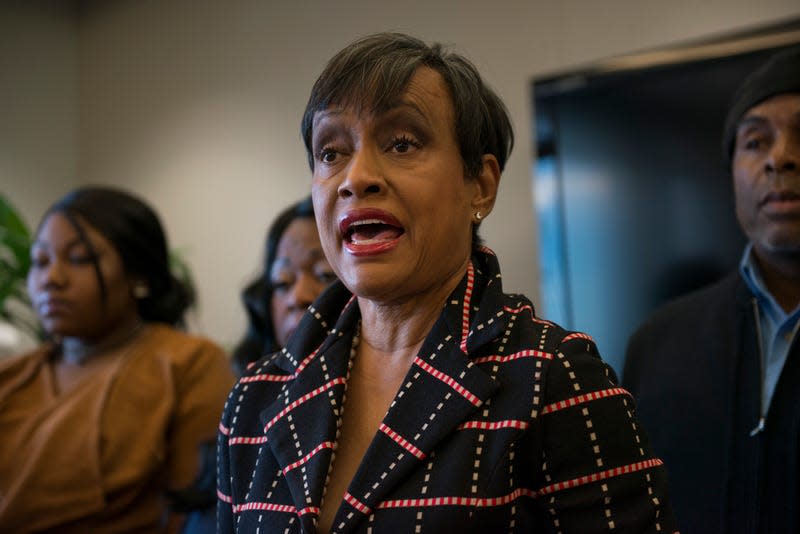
(49, 276)
(364, 174)
(54, 274)
(304, 290)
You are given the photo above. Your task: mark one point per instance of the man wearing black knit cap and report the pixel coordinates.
(716, 374)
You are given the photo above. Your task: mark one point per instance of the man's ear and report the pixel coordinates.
(486, 184)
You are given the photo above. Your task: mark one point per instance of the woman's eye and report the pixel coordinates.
(752, 143)
(281, 285)
(403, 144)
(327, 155)
(80, 259)
(38, 261)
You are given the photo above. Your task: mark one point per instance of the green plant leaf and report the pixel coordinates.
(15, 237)
(15, 244)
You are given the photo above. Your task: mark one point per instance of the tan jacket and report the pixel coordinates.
(98, 458)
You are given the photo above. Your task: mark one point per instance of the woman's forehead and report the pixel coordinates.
(61, 229)
(425, 95)
(425, 84)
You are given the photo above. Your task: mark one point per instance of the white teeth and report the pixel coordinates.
(366, 241)
(366, 221)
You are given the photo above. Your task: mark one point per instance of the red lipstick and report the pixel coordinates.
(369, 231)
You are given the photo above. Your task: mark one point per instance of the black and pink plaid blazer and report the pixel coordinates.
(505, 423)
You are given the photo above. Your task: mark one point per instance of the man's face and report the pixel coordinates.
(766, 176)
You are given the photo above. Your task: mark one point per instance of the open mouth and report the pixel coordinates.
(371, 231)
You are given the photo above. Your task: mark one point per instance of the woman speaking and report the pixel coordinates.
(416, 396)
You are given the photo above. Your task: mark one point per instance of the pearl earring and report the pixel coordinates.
(141, 291)
(478, 216)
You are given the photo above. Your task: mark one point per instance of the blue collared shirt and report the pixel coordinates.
(778, 328)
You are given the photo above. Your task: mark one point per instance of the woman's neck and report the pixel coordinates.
(399, 328)
(76, 350)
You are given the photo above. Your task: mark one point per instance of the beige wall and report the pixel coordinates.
(38, 103)
(196, 104)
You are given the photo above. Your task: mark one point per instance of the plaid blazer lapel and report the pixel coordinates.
(300, 425)
(441, 390)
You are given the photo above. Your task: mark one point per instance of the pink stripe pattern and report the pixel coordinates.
(355, 503)
(465, 309)
(244, 440)
(602, 475)
(304, 398)
(307, 361)
(527, 307)
(272, 507)
(309, 510)
(266, 378)
(520, 492)
(577, 335)
(400, 440)
(517, 355)
(280, 378)
(224, 430)
(458, 501)
(321, 447)
(494, 425)
(581, 399)
(449, 381)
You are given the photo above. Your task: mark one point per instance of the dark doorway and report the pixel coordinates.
(634, 198)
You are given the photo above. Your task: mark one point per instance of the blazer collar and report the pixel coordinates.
(472, 317)
(317, 388)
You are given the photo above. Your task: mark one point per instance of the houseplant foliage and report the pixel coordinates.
(15, 243)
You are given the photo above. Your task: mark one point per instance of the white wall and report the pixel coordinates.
(196, 104)
(38, 114)
(38, 103)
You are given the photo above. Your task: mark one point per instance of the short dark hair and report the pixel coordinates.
(260, 336)
(136, 233)
(373, 72)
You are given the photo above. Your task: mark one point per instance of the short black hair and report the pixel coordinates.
(374, 71)
(260, 336)
(135, 231)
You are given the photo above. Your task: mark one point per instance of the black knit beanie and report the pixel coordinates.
(780, 74)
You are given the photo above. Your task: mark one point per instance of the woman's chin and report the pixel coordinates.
(373, 282)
